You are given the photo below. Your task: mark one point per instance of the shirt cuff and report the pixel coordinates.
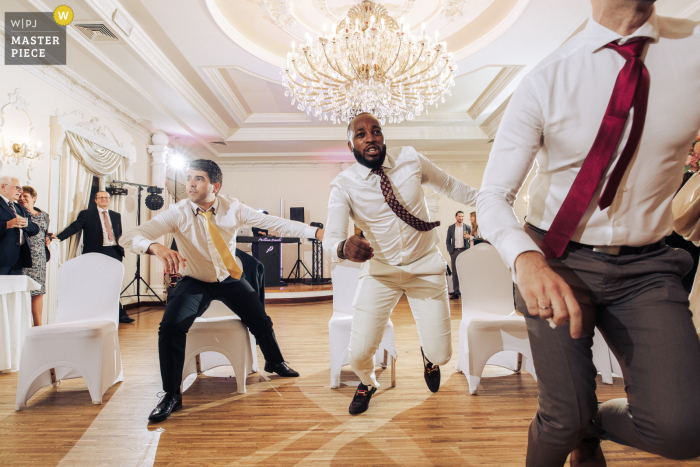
(140, 245)
(334, 252)
(310, 232)
(513, 246)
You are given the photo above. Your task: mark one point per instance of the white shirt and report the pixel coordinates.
(357, 193)
(105, 235)
(21, 237)
(459, 236)
(559, 108)
(192, 238)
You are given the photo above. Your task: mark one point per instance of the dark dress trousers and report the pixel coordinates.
(89, 222)
(450, 242)
(13, 256)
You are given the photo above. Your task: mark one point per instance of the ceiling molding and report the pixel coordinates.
(159, 62)
(494, 34)
(499, 83)
(240, 39)
(66, 80)
(90, 47)
(337, 133)
(490, 125)
(443, 117)
(278, 117)
(231, 102)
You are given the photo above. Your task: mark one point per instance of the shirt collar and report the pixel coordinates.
(5, 199)
(597, 36)
(102, 210)
(364, 172)
(214, 207)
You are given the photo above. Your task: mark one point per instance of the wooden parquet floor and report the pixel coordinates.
(285, 422)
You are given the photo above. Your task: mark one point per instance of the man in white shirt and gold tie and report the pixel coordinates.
(205, 227)
(602, 117)
(383, 194)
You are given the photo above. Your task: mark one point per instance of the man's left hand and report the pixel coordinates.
(319, 234)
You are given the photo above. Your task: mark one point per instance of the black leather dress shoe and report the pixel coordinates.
(126, 319)
(360, 402)
(454, 296)
(431, 373)
(281, 369)
(588, 453)
(167, 405)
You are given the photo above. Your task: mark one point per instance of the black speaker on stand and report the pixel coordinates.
(297, 214)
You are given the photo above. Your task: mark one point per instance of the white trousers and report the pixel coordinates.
(380, 288)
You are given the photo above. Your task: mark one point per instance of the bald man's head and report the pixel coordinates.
(366, 140)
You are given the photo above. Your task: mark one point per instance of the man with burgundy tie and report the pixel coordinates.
(204, 227)
(383, 194)
(16, 227)
(607, 118)
(101, 231)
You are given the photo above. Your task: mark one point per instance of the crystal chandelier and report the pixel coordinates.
(370, 64)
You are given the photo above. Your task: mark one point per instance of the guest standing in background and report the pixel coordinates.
(16, 228)
(101, 231)
(38, 245)
(457, 241)
(475, 235)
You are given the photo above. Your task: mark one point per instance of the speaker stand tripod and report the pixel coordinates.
(296, 269)
(137, 277)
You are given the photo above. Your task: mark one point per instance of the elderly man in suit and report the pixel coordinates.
(457, 241)
(16, 227)
(101, 231)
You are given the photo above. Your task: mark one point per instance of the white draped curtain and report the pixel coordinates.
(86, 159)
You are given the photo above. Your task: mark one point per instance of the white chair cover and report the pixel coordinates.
(220, 339)
(84, 338)
(489, 323)
(345, 279)
(15, 318)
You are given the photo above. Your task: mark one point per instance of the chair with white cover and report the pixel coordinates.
(84, 339)
(491, 331)
(345, 279)
(219, 338)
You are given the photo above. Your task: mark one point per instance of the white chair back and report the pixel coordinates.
(88, 289)
(345, 279)
(484, 281)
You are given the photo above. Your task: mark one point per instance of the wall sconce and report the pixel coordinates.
(19, 151)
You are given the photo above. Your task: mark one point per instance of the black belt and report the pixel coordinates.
(607, 249)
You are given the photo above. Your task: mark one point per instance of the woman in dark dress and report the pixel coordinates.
(38, 244)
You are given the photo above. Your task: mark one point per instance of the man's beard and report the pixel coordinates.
(370, 164)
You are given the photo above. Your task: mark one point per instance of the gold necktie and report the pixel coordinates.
(220, 244)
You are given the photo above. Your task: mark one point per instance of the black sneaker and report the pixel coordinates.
(360, 402)
(431, 373)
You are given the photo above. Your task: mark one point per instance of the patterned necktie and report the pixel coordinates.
(221, 247)
(108, 226)
(12, 207)
(631, 87)
(400, 211)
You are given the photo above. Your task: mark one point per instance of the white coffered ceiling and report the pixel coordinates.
(208, 71)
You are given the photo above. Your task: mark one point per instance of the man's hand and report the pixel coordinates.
(546, 294)
(47, 239)
(172, 260)
(357, 249)
(319, 234)
(54, 237)
(17, 223)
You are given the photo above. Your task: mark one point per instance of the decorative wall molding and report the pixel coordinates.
(278, 117)
(490, 125)
(267, 166)
(499, 83)
(159, 62)
(92, 130)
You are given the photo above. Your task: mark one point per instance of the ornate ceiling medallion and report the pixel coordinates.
(371, 63)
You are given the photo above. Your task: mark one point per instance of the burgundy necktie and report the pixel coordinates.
(400, 211)
(110, 233)
(632, 86)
